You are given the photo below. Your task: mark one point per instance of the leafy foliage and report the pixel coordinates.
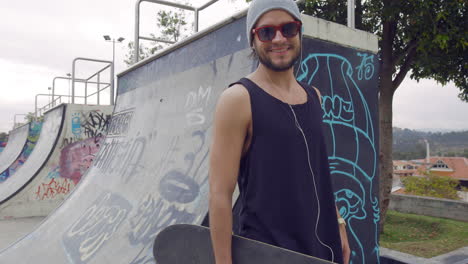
(427, 37)
(3, 136)
(172, 27)
(30, 117)
(433, 186)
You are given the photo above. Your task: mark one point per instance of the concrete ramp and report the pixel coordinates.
(53, 122)
(152, 168)
(69, 140)
(16, 142)
(33, 136)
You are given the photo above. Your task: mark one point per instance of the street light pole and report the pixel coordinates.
(119, 40)
(109, 39)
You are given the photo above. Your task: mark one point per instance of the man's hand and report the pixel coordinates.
(344, 244)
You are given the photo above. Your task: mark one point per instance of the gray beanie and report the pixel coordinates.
(259, 7)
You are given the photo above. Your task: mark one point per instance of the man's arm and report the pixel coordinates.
(231, 121)
(344, 240)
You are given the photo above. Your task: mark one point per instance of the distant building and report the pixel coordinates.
(454, 167)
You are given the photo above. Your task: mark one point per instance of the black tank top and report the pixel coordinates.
(277, 203)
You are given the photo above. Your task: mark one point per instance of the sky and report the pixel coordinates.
(40, 39)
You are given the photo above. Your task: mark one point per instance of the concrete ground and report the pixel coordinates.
(13, 229)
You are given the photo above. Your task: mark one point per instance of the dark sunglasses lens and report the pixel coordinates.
(290, 30)
(266, 33)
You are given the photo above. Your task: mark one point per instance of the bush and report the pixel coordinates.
(431, 185)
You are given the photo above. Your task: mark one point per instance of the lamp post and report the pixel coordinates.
(50, 103)
(109, 39)
(69, 86)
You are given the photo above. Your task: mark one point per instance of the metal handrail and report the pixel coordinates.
(35, 101)
(166, 3)
(76, 80)
(86, 86)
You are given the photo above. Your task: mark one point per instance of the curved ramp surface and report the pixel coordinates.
(16, 142)
(72, 138)
(53, 121)
(33, 136)
(152, 170)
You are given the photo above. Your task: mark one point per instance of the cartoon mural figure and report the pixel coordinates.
(352, 145)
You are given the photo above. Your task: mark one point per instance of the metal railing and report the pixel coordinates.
(196, 10)
(16, 125)
(110, 65)
(99, 83)
(49, 105)
(351, 14)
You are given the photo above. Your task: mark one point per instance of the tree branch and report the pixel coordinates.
(410, 46)
(404, 69)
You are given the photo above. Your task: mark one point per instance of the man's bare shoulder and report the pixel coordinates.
(236, 93)
(234, 104)
(236, 97)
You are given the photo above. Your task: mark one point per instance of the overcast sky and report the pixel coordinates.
(40, 39)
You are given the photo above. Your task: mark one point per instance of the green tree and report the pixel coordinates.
(432, 185)
(426, 38)
(31, 116)
(171, 27)
(3, 136)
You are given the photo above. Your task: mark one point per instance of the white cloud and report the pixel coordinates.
(428, 105)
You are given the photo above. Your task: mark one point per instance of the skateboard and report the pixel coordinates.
(191, 244)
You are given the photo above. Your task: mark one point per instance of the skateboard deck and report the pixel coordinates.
(191, 244)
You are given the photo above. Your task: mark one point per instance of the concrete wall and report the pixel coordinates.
(83, 128)
(429, 206)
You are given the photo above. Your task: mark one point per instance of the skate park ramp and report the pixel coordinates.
(69, 139)
(152, 168)
(33, 136)
(16, 142)
(53, 121)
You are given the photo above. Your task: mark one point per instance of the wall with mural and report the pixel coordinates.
(83, 129)
(33, 136)
(348, 81)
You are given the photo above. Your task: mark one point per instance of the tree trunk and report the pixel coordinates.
(386, 148)
(386, 90)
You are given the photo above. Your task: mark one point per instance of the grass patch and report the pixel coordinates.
(423, 236)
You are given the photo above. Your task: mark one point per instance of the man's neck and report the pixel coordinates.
(282, 80)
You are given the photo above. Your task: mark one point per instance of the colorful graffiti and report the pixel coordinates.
(56, 186)
(349, 125)
(33, 136)
(76, 158)
(2, 145)
(79, 145)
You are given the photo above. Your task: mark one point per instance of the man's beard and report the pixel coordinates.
(277, 68)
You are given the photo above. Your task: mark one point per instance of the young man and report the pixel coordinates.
(268, 138)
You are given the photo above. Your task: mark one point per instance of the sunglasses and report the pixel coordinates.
(268, 33)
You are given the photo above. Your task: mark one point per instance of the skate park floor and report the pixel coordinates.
(13, 229)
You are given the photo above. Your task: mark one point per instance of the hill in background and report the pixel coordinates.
(409, 144)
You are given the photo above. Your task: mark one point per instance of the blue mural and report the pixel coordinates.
(348, 84)
(33, 137)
